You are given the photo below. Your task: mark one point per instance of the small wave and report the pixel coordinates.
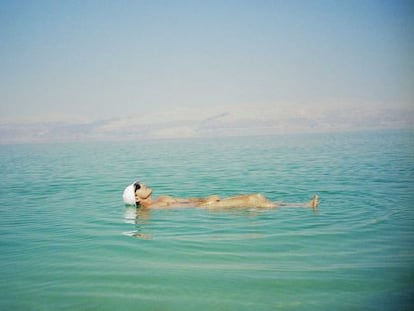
(139, 235)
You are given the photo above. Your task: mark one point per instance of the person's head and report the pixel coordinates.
(142, 192)
(135, 193)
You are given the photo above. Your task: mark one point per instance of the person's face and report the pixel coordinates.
(142, 192)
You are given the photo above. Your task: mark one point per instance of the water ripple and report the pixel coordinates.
(68, 242)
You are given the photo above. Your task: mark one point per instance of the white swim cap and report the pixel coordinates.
(129, 195)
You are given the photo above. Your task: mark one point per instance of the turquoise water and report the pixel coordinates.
(69, 243)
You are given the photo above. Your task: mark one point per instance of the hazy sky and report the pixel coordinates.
(104, 59)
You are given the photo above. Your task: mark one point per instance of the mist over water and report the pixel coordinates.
(68, 242)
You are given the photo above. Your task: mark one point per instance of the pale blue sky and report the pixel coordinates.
(104, 59)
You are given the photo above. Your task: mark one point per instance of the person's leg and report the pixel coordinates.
(259, 200)
(314, 203)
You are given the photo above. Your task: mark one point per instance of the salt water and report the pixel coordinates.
(68, 242)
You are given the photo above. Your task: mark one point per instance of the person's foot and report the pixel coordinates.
(314, 203)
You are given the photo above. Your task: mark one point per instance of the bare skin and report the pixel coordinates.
(143, 197)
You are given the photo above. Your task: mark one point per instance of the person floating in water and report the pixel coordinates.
(139, 194)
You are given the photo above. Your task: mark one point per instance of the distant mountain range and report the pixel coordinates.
(224, 123)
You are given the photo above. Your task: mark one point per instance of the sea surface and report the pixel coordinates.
(67, 241)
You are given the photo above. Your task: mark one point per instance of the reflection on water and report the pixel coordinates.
(204, 224)
(140, 218)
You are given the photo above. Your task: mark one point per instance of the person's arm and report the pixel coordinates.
(168, 201)
(314, 203)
